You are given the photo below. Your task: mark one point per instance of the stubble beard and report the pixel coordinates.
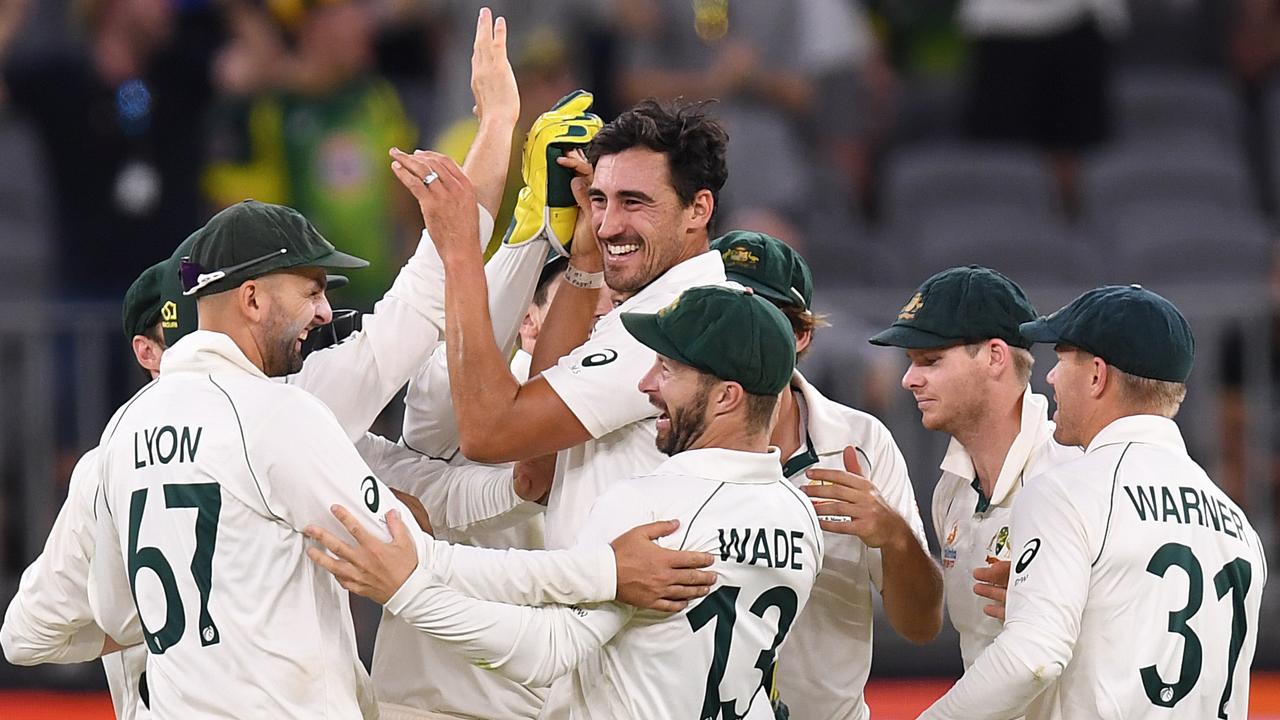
(687, 425)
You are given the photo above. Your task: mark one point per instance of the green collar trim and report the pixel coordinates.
(803, 461)
(983, 502)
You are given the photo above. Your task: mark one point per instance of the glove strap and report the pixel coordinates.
(582, 279)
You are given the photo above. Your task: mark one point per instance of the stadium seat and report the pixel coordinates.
(1022, 244)
(1202, 171)
(937, 178)
(1191, 242)
(1153, 105)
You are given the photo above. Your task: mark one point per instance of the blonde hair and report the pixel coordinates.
(1161, 397)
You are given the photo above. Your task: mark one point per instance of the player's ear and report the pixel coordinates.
(998, 356)
(727, 397)
(147, 353)
(802, 341)
(251, 299)
(700, 210)
(1101, 378)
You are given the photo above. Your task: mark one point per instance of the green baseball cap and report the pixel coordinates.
(1128, 326)
(730, 333)
(141, 306)
(177, 309)
(251, 239)
(767, 265)
(960, 305)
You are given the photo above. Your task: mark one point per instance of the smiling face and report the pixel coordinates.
(643, 228)
(296, 305)
(948, 386)
(682, 394)
(1072, 379)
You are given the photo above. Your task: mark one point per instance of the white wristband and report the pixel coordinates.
(582, 279)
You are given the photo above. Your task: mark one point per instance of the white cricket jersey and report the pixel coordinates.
(824, 665)
(471, 504)
(1135, 592)
(50, 621)
(974, 531)
(208, 475)
(598, 381)
(716, 655)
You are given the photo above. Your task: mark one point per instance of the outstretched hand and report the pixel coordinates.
(651, 576)
(445, 196)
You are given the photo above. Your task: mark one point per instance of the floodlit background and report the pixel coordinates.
(1117, 141)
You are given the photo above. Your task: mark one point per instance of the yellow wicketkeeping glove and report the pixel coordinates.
(545, 205)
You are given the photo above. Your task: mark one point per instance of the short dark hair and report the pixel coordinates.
(154, 332)
(759, 408)
(693, 141)
(550, 273)
(802, 321)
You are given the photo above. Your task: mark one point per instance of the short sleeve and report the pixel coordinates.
(599, 381)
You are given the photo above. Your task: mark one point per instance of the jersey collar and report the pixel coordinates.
(1036, 429)
(1150, 429)
(206, 351)
(721, 465)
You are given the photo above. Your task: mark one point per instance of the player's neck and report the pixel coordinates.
(786, 432)
(990, 439)
(726, 434)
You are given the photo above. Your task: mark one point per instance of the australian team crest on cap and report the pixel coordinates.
(741, 256)
(169, 315)
(913, 306)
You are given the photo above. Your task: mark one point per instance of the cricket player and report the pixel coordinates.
(1137, 584)
(970, 372)
(233, 464)
(723, 355)
(824, 666)
(657, 170)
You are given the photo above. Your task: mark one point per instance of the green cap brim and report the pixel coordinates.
(1039, 331)
(338, 259)
(644, 327)
(766, 292)
(902, 336)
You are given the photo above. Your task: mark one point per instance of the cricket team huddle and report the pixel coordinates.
(614, 495)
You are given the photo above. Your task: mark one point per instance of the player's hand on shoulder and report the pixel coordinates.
(993, 583)
(370, 568)
(655, 578)
(847, 493)
(445, 196)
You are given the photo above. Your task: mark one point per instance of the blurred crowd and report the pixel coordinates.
(153, 114)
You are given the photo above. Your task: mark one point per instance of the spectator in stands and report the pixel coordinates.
(308, 123)
(116, 115)
(767, 63)
(1041, 70)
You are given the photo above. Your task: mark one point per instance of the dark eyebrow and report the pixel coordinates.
(635, 195)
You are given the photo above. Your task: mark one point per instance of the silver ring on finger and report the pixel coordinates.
(430, 178)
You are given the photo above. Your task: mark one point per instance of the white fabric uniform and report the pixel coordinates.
(974, 531)
(208, 476)
(494, 516)
(629, 663)
(49, 619)
(598, 382)
(823, 668)
(1135, 593)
